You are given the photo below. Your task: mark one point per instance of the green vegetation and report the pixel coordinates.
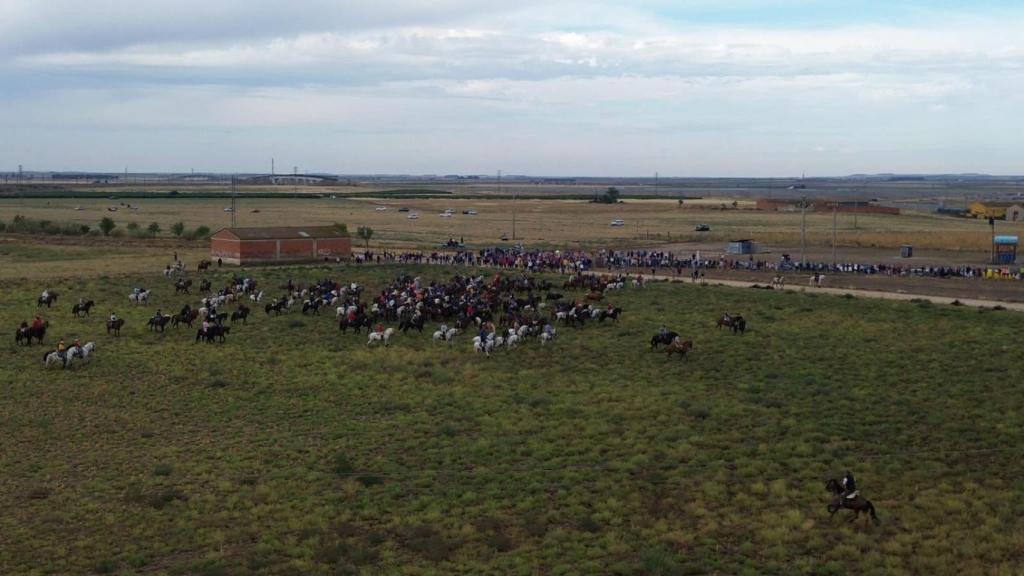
(364, 233)
(610, 196)
(107, 225)
(178, 228)
(294, 449)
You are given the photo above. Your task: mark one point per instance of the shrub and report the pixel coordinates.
(133, 226)
(178, 228)
(154, 228)
(107, 225)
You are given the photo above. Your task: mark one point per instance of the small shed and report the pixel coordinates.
(745, 246)
(906, 251)
(1005, 248)
(262, 245)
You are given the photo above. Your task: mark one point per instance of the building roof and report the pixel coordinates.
(283, 232)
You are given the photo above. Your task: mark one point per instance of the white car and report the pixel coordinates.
(470, 212)
(445, 215)
(381, 208)
(413, 216)
(618, 222)
(449, 210)
(228, 209)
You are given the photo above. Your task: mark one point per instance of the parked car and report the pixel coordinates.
(381, 208)
(413, 216)
(703, 228)
(445, 215)
(403, 209)
(470, 212)
(618, 222)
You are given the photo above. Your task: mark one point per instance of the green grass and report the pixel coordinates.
(293, 449)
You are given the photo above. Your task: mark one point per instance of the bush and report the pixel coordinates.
(107, 225)
(133, 226)
(154, 229)
(178, 228)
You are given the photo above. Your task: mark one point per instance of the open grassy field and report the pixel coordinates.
(554, 223)
(293, 449)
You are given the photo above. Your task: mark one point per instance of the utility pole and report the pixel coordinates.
(295, 178)
(803, 230)
(234, 202)
(835, 219)
(992, 225)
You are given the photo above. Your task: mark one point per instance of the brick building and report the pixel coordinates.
(265, 245)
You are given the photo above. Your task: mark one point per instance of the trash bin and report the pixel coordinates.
(906, 251)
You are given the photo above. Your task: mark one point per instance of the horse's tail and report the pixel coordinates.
(871, 510)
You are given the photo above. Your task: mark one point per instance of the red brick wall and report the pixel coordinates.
(226, 248)
(291, 249)
(331, 247)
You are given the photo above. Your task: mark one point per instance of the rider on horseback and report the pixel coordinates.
(113, 317)
(62, 351)
(37, 323)
(849, 486)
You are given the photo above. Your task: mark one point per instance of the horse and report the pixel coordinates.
(312, 305)
(52, 357)
(553, 296)
(158, 322)
(214, 333)
(681, 347)
(736, 323)
(858, 504)
(80, 310)
(185, 317)
(595, 296)
(203, 265)
(182, 286)
(275, 307)
(241, 314)
(446, 336)
(614, 315)
(416, 322)
(546, 337)
(28, 333)
(115, 326)
(663, 339)
(139, 297)
(384, 336)
(50, 300)
(205, 285)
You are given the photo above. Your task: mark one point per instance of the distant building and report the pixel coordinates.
(265, 245)
(1015, 213)
(745, 246)
(988, 210)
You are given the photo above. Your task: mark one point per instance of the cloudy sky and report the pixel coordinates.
(684, 87)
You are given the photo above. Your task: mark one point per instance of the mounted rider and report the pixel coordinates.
(45, 296)
(849, 486)
(62, 351)
(37, 323)
(113, 317)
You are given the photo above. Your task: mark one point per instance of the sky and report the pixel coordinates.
(732, 88)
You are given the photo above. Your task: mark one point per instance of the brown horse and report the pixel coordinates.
(115, 326)
(858, 503)
(595, 296)
(681, 347)
(203, 265)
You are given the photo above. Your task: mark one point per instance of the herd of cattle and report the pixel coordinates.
(501, 312)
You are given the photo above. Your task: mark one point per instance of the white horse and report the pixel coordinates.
(384, 336)
(139, 297)
(447, 336)
(512, 340)
(546, 337)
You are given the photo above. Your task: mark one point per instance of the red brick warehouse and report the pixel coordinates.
(267, 245)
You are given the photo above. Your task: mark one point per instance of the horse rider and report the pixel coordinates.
(549, 330)
(76, 346)
(62, 351)
(849, 486)
(81, 302)
(662, 332)
(23, 327)
(37, 323)
(206, 325)
(379, 328)
(45, 296)
(159, 315)
(113, 317)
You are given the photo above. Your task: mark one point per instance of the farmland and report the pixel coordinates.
(552, 223)
(294, 449)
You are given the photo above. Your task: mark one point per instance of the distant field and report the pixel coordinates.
(293, 449)
(537, 222)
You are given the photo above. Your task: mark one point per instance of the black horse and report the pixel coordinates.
(213, 334)
(186, 316)
(663, 339)
(312, 306)
(182, 286)
(360, 321)
(415, 322)
(614, 315)
(159, 322)
(241, 314)
(50, 300)
(82, 309)
(27, 333)
(858, 503)
(553, 296)
(205, 285)
(275, 307)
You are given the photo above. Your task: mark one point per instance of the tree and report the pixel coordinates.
(203, 231)
(133, 226)
(342, 228)
(365, 233)
(107, 225)
(611, 196)
(178, 228)
(154, 228)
